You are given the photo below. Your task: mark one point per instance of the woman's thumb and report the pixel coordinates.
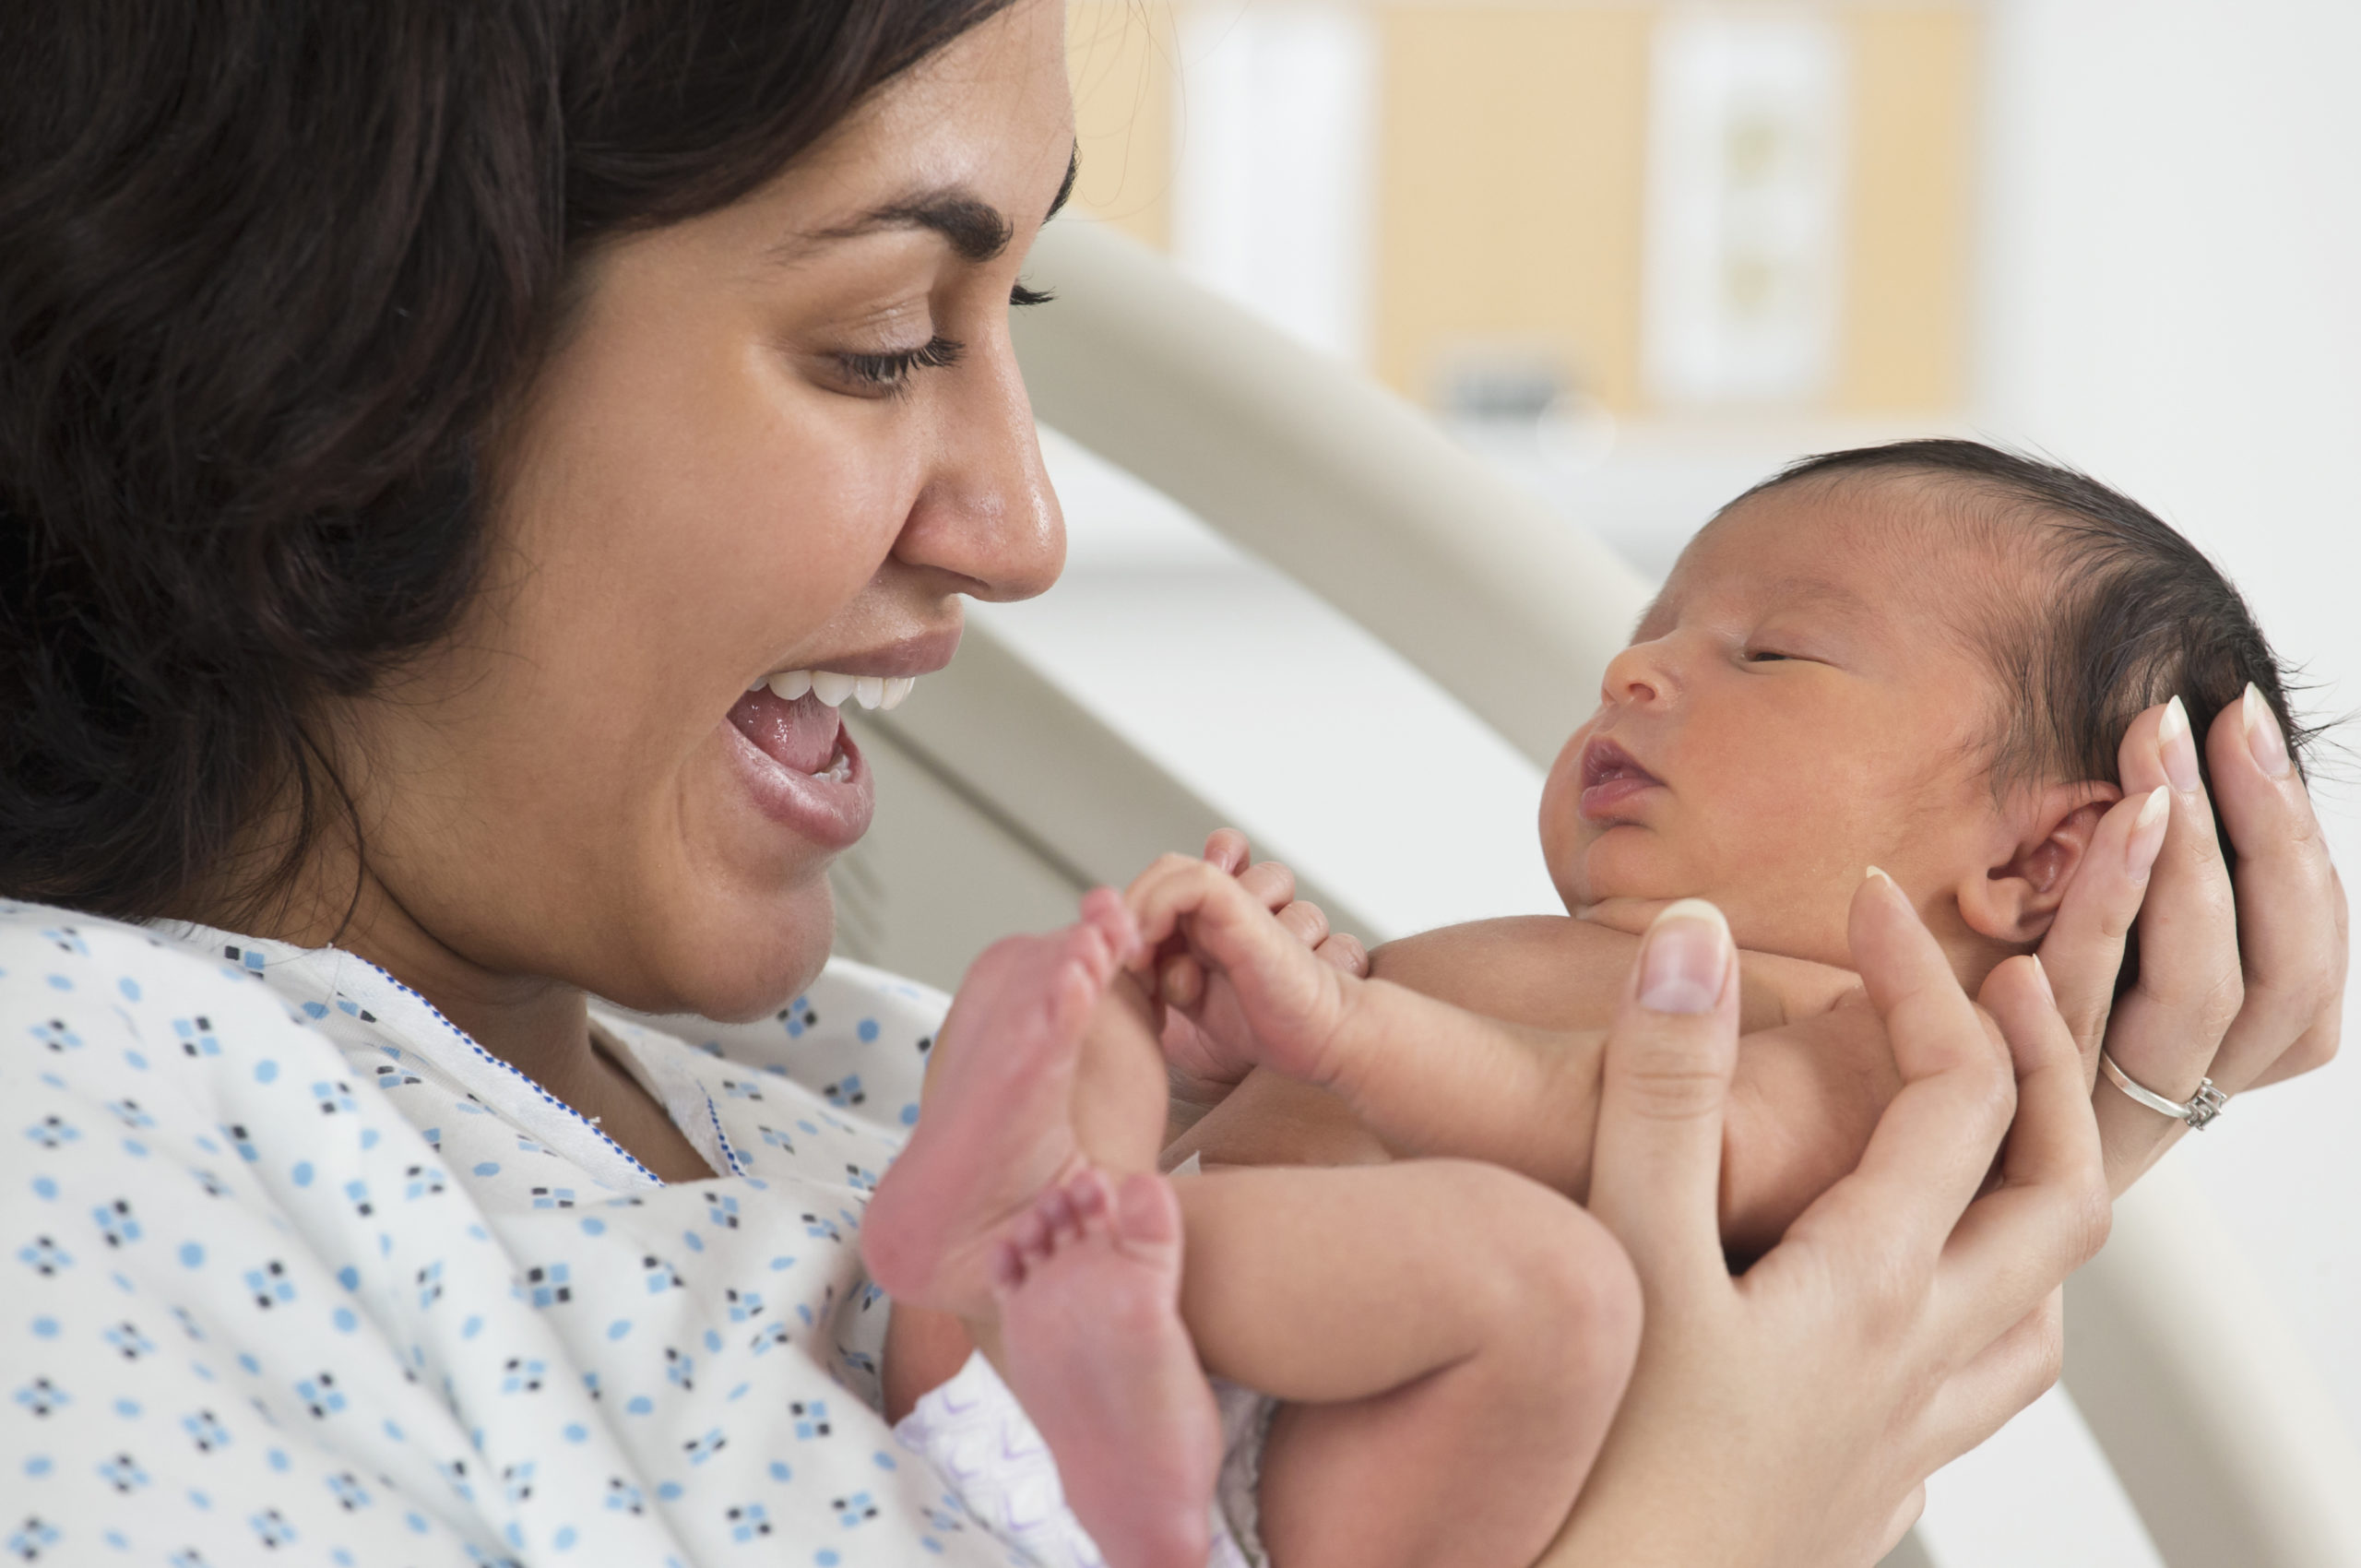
(1655, 1170)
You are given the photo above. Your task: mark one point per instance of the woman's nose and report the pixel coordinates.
(988, 514)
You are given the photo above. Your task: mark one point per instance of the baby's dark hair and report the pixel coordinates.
(2126, 612)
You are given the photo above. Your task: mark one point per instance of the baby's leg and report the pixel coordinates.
(1032, 1079)
(1451, 1338)
(996, 1227)
(1091, 1337)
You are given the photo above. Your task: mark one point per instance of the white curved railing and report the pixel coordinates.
(2194, 1389)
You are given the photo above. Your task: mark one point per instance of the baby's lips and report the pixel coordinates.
(1606, 761)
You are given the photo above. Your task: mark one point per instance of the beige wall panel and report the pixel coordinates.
(1509, 181)
(1904, 333)
(1119, 55)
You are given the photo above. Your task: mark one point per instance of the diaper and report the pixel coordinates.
(980, 1439)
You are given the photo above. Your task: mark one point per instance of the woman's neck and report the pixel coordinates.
(538, 1024)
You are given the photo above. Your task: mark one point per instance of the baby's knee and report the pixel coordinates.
(1562, 1289)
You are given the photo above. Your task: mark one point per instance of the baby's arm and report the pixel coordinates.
(1555, 972)
(1423, 1076)
(1814, 1072)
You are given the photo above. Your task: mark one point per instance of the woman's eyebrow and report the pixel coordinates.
(975, 230)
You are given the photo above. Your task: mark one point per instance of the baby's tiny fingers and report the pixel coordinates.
(1181, 983)
(1225, 848)
(1173, 885)
(1270, 883)
(1306, 922)
(1345, 952)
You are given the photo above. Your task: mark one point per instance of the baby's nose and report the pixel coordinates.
(1636, 675)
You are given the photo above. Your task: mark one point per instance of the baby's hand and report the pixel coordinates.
(1265, 1000)
(1204, 1034)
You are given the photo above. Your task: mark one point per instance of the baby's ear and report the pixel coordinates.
(2015, 901)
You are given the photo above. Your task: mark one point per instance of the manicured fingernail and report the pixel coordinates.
(2264, 739)
(1881, 876)
(2177, 748)
(1684, 958)
(2042, 975)
(2148, 832)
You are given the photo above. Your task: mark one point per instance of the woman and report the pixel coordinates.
(438, 445)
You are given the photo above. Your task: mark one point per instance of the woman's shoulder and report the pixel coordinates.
(50, 955)
(84, 999)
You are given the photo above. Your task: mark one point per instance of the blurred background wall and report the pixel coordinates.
(1638, 255)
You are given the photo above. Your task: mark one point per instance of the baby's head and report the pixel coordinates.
(1921, 657)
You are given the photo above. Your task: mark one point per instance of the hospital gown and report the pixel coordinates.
(296, 1272)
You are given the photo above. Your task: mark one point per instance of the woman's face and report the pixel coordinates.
(786, 435)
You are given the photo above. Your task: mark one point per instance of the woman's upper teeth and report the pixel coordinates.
(870, 691)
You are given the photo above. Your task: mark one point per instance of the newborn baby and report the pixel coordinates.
(1921, 658)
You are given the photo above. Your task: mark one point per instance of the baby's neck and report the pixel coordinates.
(1973, 955)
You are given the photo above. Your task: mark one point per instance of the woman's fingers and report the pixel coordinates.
(2003, 1378)
(2290, 907)
(2083, 950)
(1933, 1146)
(1655, 1170)
(2050, 1212)
(2166, 1027)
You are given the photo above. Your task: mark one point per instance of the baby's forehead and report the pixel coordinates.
(1869, 547)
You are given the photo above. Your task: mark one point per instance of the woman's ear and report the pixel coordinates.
(2015, 901)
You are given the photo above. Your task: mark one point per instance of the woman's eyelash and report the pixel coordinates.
(1021, 296)
(891, 372)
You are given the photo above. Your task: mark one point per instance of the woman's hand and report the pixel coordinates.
(1790, 1416)
(2245, 990)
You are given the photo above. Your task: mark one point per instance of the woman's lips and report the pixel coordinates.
(803, 767)
(1611, 778)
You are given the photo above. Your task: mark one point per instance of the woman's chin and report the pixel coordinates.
(731, 960)
(770, 973)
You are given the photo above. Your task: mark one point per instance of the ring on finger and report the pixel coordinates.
(2200, 1108)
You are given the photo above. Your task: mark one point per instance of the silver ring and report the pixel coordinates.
(2202, 1107)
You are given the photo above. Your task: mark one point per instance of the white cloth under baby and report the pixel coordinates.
(975, 1432)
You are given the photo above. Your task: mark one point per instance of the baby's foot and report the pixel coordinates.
(1089, 1294)
(998, 1126)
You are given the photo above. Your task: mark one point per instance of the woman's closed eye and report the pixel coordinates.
(887, 374)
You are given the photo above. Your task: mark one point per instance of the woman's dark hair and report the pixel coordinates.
(269, 270)
(2122, 614)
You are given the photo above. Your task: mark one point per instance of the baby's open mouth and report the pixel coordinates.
(1610, 776)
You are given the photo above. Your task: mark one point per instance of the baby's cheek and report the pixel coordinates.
(1562, 836)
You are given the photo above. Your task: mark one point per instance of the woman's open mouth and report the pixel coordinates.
(1611, 778)
(801, 763)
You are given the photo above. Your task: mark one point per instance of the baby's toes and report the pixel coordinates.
(1090, 1196)
(1147, 1212)
(1104, 914)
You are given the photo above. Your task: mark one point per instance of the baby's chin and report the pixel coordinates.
(1631, 915)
